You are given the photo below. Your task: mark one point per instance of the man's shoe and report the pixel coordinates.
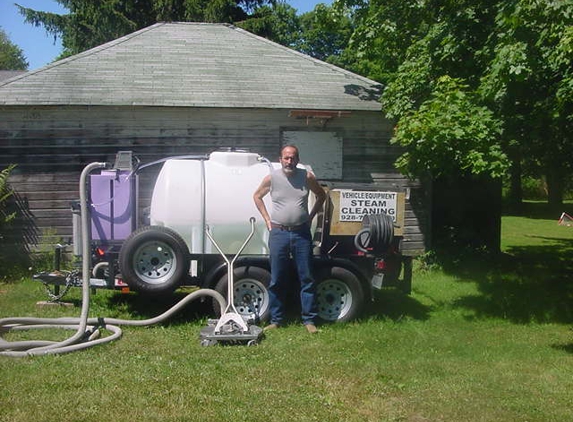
(271, 327)
(311, 328)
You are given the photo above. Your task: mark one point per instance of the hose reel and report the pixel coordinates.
(376, 235)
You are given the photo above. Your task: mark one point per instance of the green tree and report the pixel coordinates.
(7, 216)
(277, 22)
(90, 23)
(528, 82)
(427, 55)
(5, 193)
(11, 56)
(512, 56)
(450, 133)
(324, 35)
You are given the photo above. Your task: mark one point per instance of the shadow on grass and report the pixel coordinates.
(395, 305)
(564, 347)
(526, 284)
(387, 303)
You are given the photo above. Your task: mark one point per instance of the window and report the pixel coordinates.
(321, 150)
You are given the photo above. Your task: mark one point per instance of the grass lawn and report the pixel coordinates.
(480, 340)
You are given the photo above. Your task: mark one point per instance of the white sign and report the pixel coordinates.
(355, 204)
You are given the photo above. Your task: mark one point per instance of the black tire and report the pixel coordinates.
(339, 295)
(154, 260)
(251, 295)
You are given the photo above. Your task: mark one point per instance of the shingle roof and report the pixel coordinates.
(7, 74)
(193, 65)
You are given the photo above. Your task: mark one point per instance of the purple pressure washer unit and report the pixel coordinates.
(114, 205)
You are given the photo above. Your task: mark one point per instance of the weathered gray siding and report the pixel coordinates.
(52, 144)
(417, 213)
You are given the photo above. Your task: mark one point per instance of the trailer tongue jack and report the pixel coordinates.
(231, 327)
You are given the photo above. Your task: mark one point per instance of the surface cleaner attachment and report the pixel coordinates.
(231, 327)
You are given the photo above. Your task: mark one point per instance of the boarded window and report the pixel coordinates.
(321, 150)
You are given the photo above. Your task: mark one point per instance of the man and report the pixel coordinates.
(289, 228)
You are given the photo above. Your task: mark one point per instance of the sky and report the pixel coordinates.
(40, 49)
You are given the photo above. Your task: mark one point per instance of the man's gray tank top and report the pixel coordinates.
(289, 197)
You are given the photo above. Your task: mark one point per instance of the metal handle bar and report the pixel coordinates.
(230, 313)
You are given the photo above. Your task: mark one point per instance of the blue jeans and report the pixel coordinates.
(283, 245)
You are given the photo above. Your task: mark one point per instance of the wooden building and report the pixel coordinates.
(191, 88)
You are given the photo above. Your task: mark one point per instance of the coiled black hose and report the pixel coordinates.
(376, 235)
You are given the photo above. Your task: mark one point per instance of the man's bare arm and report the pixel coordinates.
(315, 188)
(263, 189)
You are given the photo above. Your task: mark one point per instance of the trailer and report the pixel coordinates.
(357, 237)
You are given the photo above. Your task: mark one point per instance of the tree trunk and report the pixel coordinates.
(555, 186)
(466, 213)
(515, 188)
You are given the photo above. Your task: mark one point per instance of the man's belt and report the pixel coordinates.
(288, 228)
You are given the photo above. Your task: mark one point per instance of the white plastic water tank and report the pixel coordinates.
(217, 192)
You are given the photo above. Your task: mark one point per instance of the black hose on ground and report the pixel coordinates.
(376, 235)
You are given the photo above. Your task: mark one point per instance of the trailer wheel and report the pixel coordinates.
(251, 292)
(339, 295)
(154, 260)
